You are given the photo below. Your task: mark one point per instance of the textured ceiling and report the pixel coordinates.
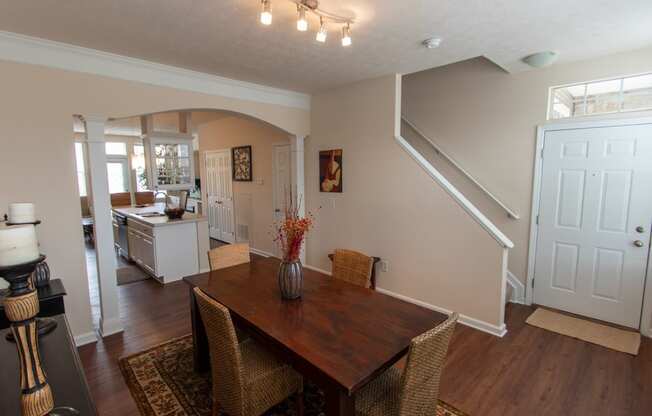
(223, 37)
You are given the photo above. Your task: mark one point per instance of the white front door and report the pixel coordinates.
(594, 222)
(219, 192)
(282, 182)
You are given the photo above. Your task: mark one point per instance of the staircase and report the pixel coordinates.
(429, 156)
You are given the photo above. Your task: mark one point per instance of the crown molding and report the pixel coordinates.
(30, 50)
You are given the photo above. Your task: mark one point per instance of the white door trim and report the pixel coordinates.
(646, 313)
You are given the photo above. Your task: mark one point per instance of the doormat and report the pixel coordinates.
(603, 335)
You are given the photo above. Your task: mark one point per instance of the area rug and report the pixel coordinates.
(130, 274)
(163, 383)
(604, 335)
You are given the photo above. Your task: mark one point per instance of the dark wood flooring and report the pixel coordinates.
(528, 372)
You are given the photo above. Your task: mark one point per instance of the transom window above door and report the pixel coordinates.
(633, 93)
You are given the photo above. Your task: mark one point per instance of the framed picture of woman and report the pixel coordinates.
(330, 170)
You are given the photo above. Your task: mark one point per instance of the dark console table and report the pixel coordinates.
(61, 364)
(50, 300)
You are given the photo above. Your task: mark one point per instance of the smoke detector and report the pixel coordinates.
(432, 43)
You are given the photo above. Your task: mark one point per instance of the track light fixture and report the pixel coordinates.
(266, 12)
(346, 35)
(311, 6)
(323, 33)
(302, 23)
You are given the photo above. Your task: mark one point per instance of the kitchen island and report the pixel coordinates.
(166, 249)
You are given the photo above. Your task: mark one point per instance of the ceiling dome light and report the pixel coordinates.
(346, 35)
(323, 33)
(302, 23)
(541, 59)
(266, 13)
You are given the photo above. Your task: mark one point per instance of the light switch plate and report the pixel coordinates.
(384, 266)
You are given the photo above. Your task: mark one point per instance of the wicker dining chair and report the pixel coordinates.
(353, 267)
(415, 390)
(247, 380)
(228, 256)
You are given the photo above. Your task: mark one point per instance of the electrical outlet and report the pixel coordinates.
(384, 266)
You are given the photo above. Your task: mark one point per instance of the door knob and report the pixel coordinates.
(638, 243)
(640, 229)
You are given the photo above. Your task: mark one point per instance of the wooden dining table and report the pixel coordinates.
(338, 335)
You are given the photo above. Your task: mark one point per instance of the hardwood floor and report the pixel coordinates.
(528, 372)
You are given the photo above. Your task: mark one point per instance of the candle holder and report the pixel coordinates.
(21, 308)
(43, 325)
(41, 277)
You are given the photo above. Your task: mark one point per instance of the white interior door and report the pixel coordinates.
(219, 192)
(594, 222)
(282, 180)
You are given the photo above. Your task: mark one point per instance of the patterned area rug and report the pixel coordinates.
(163, 383)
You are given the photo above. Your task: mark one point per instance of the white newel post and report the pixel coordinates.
(298, 178)
(104, 245)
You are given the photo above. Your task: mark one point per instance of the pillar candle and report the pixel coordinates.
(21, 212)
(18, 245)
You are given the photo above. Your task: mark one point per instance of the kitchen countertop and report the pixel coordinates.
(135, 214)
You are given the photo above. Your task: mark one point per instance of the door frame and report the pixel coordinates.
(275, 196)
(542, 129)
(206, 154)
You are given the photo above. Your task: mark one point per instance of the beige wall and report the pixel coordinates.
(235, 130)
(37, 160)
(392, 209)
(486, 119)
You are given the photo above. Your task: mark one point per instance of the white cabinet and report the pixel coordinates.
(142, 248)
(168, 252)
(171, 164)
(148, 254)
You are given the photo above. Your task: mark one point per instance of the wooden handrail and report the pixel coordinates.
(510, 213)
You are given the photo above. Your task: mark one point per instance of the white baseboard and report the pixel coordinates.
(86, 338)
(498, 331)
(518, 288)
(260, 252)
(205, 270)
(110, 327)
(317, 269)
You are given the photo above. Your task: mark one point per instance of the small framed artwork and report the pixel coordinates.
(330, 170)
(242, 164)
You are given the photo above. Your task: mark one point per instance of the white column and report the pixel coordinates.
(104, 245)
(298, 177)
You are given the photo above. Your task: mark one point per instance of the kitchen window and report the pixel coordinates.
(633, 93)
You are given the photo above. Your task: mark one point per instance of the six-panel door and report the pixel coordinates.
(594, 222)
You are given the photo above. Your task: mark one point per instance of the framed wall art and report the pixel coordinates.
(330, 170)
(242, 164)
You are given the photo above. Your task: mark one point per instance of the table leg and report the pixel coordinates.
(199, 340)
(339, 403)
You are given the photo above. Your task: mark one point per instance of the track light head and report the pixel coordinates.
(323, 33)
(266, 12)
(346, 35)
(302, 23)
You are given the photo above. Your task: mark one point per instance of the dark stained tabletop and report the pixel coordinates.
(348, 333)
(61, 364)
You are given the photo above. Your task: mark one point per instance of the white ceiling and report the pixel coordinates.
(223, 37)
